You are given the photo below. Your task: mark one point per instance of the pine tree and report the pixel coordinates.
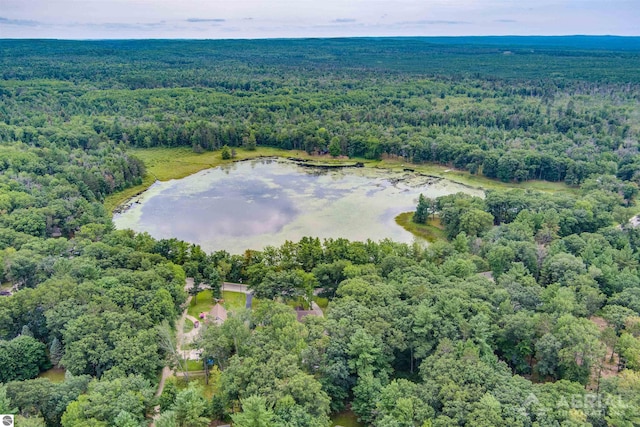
(56, 352)
(255, 413)
(5, 402)
(225, 153)
(334, 147)
(422, 211)
(250, 142)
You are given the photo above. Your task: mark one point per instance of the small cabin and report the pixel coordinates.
(217, 314)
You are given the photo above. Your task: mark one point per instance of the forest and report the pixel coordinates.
(526, 314)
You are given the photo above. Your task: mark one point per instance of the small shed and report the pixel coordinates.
(217, 314)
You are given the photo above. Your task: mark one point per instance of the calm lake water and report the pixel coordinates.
(252, 204)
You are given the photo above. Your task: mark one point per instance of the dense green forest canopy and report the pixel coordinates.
(557, 111)
(527, 315)
(160, 63)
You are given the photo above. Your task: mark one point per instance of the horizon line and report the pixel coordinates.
(319, 37)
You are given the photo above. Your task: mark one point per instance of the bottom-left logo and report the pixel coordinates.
(6, 421)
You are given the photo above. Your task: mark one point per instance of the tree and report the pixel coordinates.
(192, 269)
(43, 398)
(405, 403)
(366, 395)
(56, 351)
(21, 268)
(487, 413)
(288, 285)
(138, 354)
(581, 347)
(500, 259)
(366, 354)
(216, 344)
(168, 396)
(628, 348)
(106, 400)
(475, 222)
(22, 358)
(225, 153)
(167, 419)
(167, 343)
(125, 419)
(5, 402)
(250, 141)
(212, 277)
(558, 268)
(422, 211)
(255, 413)
(547, 349)
(623, 392)
(334, 147)
(190, 407)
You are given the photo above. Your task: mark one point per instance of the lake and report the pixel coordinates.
(256, 203)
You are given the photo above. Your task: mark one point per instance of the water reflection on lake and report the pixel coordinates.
(252, 204)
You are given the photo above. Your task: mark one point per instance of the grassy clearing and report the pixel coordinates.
(164, 164)
(188, 326)
(194, 365)
(208, 389)
(55, 375)
(204, 303)
(431, 231)
(477, 181)
(234, 301)
(175, 163)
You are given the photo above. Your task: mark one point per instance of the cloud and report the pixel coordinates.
(19, 22)
(344, 20)
(124, 25)
(433, 22)
(196, 20)
(506, 21)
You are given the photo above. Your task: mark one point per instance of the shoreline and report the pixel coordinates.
(165, 164)
(431, 231)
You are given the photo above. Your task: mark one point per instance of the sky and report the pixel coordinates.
(217, 19)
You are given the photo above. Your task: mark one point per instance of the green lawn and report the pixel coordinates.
(431, 231)
(208, 389)
(194, 365)
(234, 301)
(55, 375)
(188, 326)
(204, 303)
